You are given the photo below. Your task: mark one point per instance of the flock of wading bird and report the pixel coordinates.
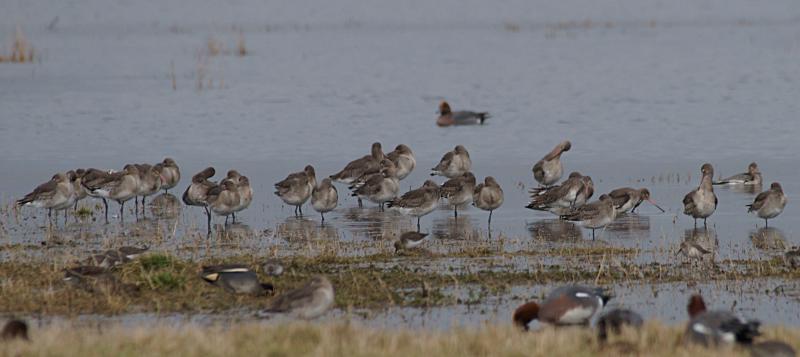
(376, 178)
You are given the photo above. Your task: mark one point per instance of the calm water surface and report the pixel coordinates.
(646, 91)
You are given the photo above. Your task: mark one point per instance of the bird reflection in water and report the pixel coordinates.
(165, 206)
(768, 239)
(555, 230)
(295, 229)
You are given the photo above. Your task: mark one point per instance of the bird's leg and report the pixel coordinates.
(360, 204)
(234, 217)
(136, 199)
(418, 218)
(695, 223)
(300, 207)
(593, 234)
(490, 217)
(455, 211)
(208, 219)
(121, 211)
(105, 204)
(705, 222)
(226, 219)
(323, 216)
(766, 223)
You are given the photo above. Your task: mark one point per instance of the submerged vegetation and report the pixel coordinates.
(21, 50)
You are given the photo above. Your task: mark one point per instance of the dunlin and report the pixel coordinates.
(409, 240)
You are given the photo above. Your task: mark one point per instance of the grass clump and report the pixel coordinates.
(165, 281)
(155, 261)
(21, 50)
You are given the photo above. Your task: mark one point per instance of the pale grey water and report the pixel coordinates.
(643, 89)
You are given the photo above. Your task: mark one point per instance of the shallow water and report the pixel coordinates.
(646, 91)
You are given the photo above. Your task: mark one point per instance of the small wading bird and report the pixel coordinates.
(361, 167)
(120, 187)
(197, 192)
(563, 198)
(447, 117)
(769, 204)
(488, 196)
(418, 202)
(409, 240)
(458, 191)
(296, 188)
(548, 170)
(701, 202)
(56, 194)
(381, 187)
(628, 199)
(403, 159)
(170, 173)
(324, 198)
(454, 163)
(594, 215)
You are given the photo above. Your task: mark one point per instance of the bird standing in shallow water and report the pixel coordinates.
(701, 202)
(628, 199)
(454, 163)
(56, 194)
(296, 188)
(324, 198)
(403, 159)
(769, 204)
(549, 169)
(458, 191)
(594, 215)
(418, 202)
(488, 196)
(197, 192)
